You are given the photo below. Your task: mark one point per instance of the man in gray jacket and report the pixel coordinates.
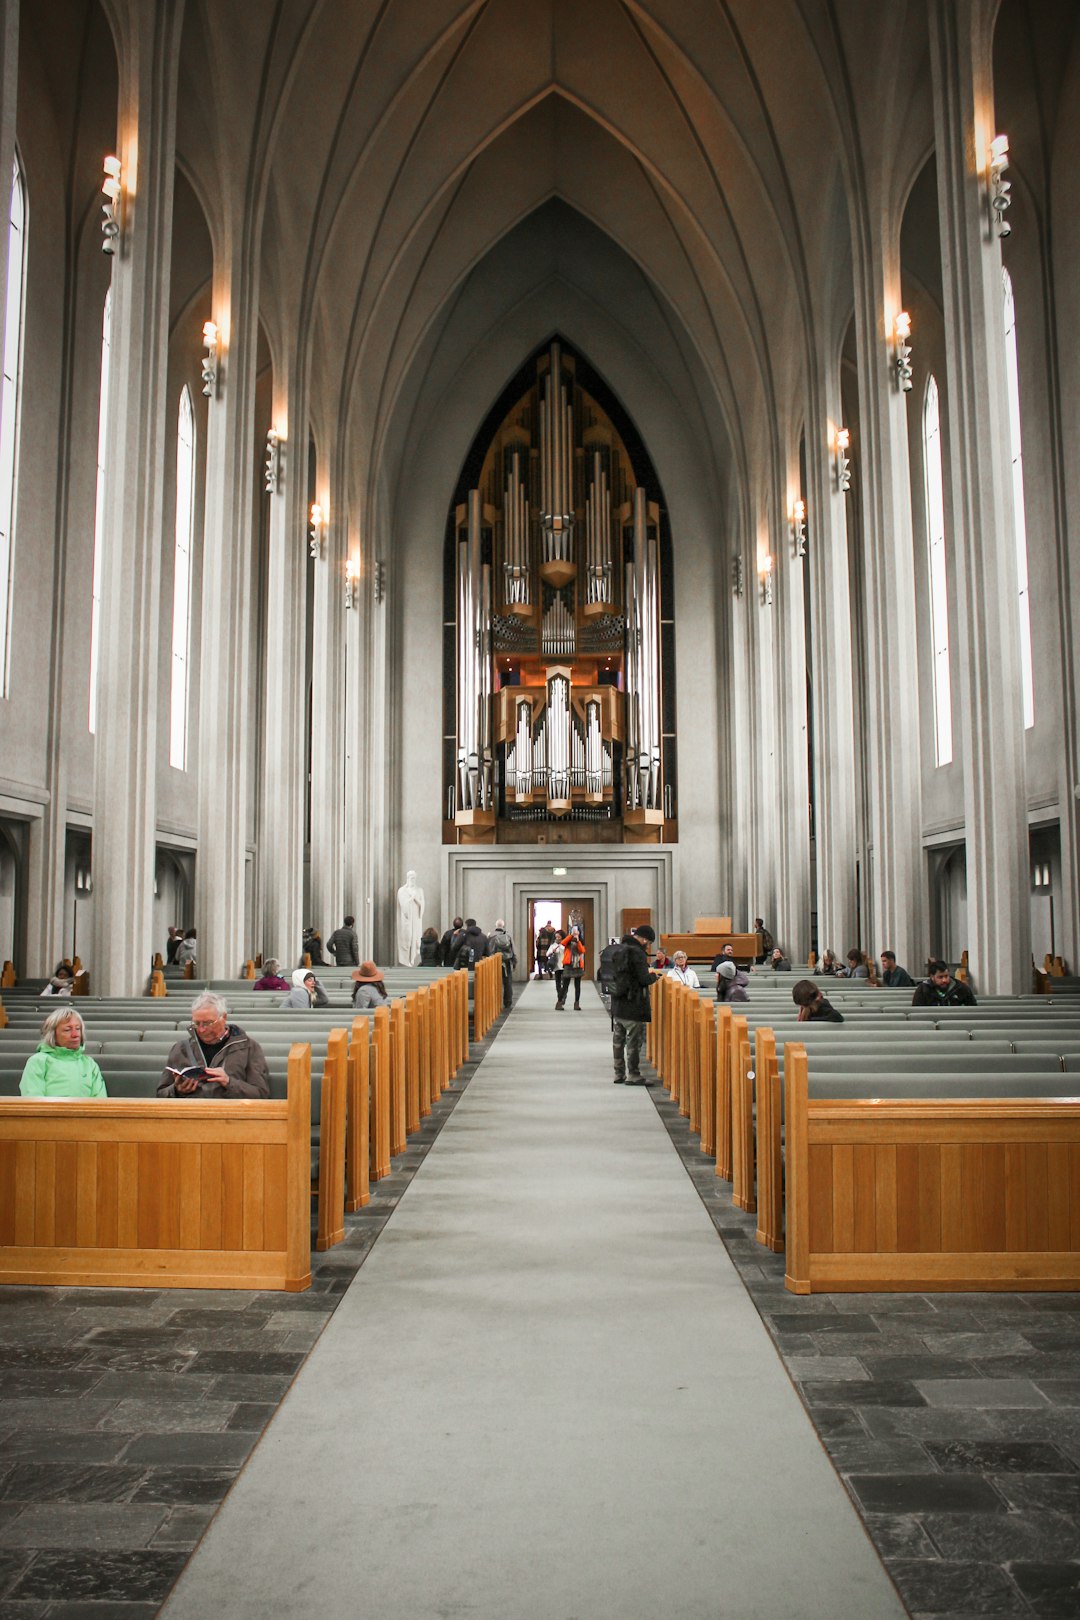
(344, 944)
(216, 1058)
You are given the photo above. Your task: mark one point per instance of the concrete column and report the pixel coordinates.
(791, 829)
(224, 667)
(282, 806)
(835, 837)
(979, 472)
(9, 102)
(327, 712)
(126, 750)
(764, 800)
(894, 915)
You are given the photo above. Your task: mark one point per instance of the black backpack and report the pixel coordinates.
(623, 981)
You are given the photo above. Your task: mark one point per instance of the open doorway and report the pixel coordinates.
(561, 914)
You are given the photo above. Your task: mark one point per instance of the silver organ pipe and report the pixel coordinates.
(540, 770)
(643, 648)
(510, 770)
(523, 750)
(558, 739)
(559, 633)
(594, 751)
(474, 672)
(633, 707)
(516, 533)
(556, 463)
(483, 647)
(598, 534)
(577, 755)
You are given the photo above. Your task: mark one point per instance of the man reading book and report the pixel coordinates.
(215, 1058)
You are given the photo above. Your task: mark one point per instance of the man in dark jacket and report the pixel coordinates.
(449, 940)
(216, 1059)
(630, 1006)
(942, 990)
(343, 944)
(897, 978)
(470, 947)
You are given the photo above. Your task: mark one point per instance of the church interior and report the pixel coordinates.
(608, 462)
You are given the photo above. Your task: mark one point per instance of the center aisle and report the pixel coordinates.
(546, 1396)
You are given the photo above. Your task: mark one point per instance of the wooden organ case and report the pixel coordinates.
(560, 638)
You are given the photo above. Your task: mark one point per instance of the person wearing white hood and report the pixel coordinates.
(302, 994)
(731, 983)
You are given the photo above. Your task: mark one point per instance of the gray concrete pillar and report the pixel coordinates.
(979, 473)
(126, 747)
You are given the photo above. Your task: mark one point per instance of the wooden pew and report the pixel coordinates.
(930, 1194)
(358, 1114)
(330, 1187)
(743, 1190)
(166, 1193)
(380, 1095)
(723, 1091)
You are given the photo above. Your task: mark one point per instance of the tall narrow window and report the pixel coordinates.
(99, 508)
(939, 584)
(9, 408)
(181, 621)
(1027, 678)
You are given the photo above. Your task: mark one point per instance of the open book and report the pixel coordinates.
(194, 1071)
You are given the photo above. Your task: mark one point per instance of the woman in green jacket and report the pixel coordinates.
(60, 1067)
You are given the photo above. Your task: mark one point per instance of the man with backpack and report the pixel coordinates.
(631, 1010)
(500, 941)
(470, 947)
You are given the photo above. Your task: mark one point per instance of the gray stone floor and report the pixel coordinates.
(953, 1419)
(126, 1414)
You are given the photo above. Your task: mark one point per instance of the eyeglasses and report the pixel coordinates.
(208, 1023)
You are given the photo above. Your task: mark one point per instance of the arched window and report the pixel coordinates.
(181, 622)
(1019, 523)
(9, 407)
(937, 574)
(99, 506)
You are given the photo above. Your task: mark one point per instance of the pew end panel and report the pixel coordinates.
(162, 1193)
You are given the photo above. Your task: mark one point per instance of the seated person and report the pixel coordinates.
(828, 964)
(302, 994)
(777, 962)
(813, 1008)
(271, 977)
(60, 1067)
(215, 1058)
(940, 989)
(681, 971)
(856, 966)
(429, 948)
(62, 982)
(370, 990)
(731, 983)
(662, 959)
(897, 978)
(726, 954)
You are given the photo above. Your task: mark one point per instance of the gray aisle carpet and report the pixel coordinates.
(546, 1394)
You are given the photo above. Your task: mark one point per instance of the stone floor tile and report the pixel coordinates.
(998, 1457)
(1061, 1391)
(67, 1482)
(1052, 1589)
(13, 1563)
(237, 1387)
(922, 1366)
(154, 1386)
(830, 1421)
(38, 1357)
(31, 1609)
(826, 1367)
(1002, 1538)
(110, 1359)
(276, 1364)
(830, 1323)
(185, 1525)
(53, 1446)
(168, 1413)
(1000, 1342)
(46, 1383)
(876, 1392)
(899, 1536)
(102, 1611)
(251, 1415)
(83, 1524)
(180, 1483)
(58, 1414)
(227, 1450)
(1056, 1493)
(126, 1577)
(980, 1392)
(858, 1454)
(111, 1299)
(939, 1588)
(216, 1321)
(926, 1493)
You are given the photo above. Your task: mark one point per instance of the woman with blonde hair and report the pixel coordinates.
(60, 1066)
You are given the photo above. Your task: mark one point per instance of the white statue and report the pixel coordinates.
(410, 921)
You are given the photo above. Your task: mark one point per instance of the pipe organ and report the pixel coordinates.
(558, 630)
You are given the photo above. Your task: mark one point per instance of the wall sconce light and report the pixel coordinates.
(902, 328)
(113, 192)
(275, 461)
(999, 188)
(798, 528)
(316, 529)
(352, 580)
(737, 575)
(210, 359)
(842, 460)
(380, 580)
(84, 883)
(766, 582)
